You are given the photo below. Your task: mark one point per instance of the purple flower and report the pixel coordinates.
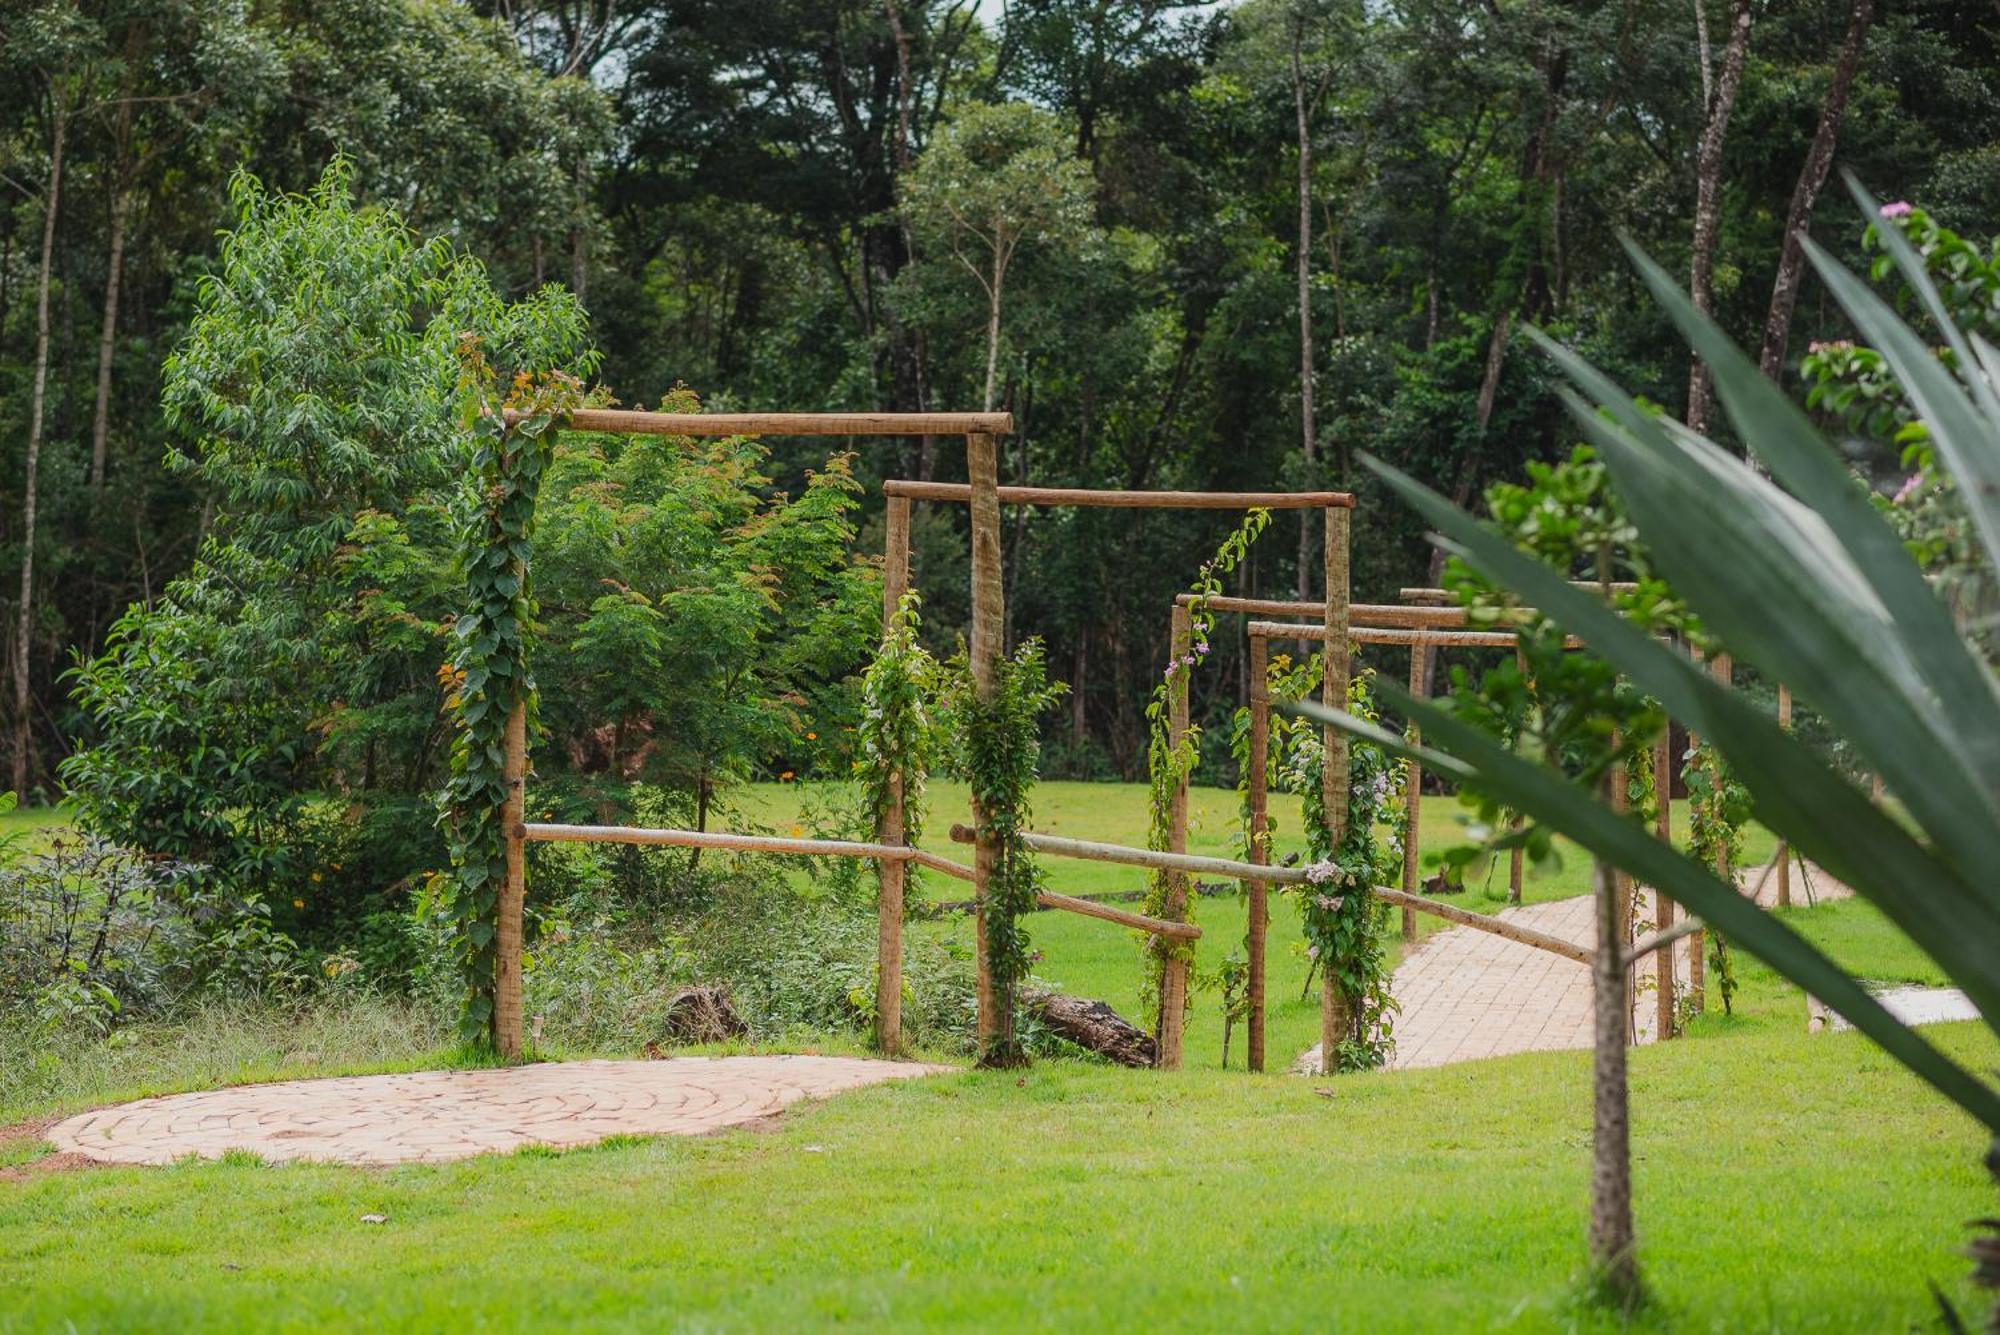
(1202, 648)
(1319, 873)
(1187, 660)
(1908, 489)
(1898, 208)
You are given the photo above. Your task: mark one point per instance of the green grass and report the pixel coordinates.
(1784, 1182)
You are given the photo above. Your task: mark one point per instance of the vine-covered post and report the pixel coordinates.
(513, 887)
(996, 1012)
(1413, 788)
(1174, 979)
(1333, 771)
(1784, 868)
(1257, 787)
(889, 824)
(1663, 908)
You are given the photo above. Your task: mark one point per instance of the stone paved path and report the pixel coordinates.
(432, 1116)
(1468, 994)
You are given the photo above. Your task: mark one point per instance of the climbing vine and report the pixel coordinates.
(488, 674)
(1170, 762)
(1718, 809)
(1343, 922)
(898, 736)
(1000, 749)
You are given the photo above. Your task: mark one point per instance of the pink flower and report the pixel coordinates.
(1899, 208)
(1187, 660)
(1202, 648)
(1908, 489)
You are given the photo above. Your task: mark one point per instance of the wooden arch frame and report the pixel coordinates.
(1336, 506)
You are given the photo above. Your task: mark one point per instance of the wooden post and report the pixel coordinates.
(1333, 1017)
(513, 890)
(1258, 786)
(1174, 977)
(1663, 908)
(1413, 792)
(1784, 849)
(996, 1012)
(890, 875)
(1516, 857)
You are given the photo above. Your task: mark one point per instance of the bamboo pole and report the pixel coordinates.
(628, 422)
(1257, 784)
(513, 889)
(996, 1006)
(890, 873)
(668, 837)
(1784, 857)
(1091, 850)
(1174, 976)
(960, 493)
(1663, 908)
(1413, 793)
(1333, 1014)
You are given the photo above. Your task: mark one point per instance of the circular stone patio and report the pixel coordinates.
(433, 1116)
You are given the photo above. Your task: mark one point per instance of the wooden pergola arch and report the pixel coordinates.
(1333, 611)
(981, 432)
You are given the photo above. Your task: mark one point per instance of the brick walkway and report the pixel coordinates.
(1468, 994)
(431, 1116)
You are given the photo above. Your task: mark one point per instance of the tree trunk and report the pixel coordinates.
(107, 339)
(24, 615)
(993, 338)
(1708, 193)
(1812, 176)
(1308, 441)
(1093, 1025)
(1611, 1240)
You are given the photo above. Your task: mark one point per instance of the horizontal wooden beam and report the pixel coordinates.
(1090, 908)
(1653, 941)
(1419, 636)
(1483, 922)
(628, 422)
(1429, 595)
(740, 843)
(1360, 614)
(1248, 871)
(960, 493)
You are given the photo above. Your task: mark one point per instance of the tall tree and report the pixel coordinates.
(1718, 92)
(1805, 193)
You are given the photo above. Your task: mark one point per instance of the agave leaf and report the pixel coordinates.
(1799, 457)
(1794, 791)
(1618, 840)
(1966, 442)
(1778, 604)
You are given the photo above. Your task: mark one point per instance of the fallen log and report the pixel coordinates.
(1092, 1025)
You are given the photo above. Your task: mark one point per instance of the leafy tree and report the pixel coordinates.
(995, 177)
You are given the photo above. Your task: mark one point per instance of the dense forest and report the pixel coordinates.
(1248, 242)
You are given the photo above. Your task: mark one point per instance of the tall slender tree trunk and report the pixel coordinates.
(1812, 176)
(993, 341)
(1611, 1235)
(1308, 439)
(31, 467)
(107, 338)
(1720, 99)
(122, 174)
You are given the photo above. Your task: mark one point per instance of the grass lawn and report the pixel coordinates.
(1784, 1182)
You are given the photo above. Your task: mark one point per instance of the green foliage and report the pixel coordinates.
(488, 676)
(1000, 747)
(1718, 809)
(1343, 924)
(1169, 762)
(898, 738)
